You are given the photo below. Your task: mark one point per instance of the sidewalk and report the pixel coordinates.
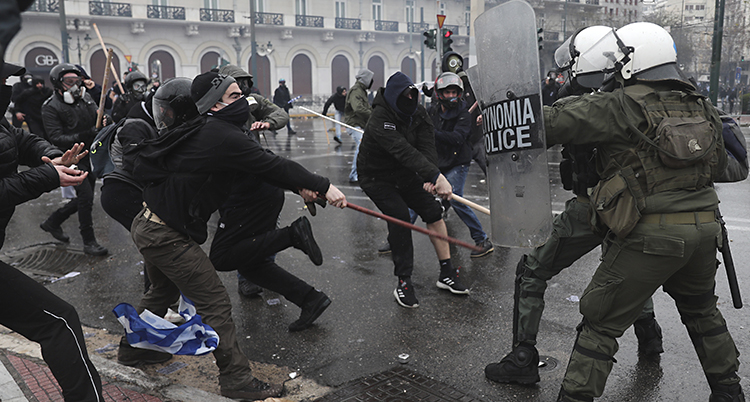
(25, 377)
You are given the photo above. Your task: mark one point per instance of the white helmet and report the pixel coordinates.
(587, 55)
(643, 47)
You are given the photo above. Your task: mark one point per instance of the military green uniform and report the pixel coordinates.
(663, 229)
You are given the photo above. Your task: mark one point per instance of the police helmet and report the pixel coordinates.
(583, 56)
(172, 104)
(132, 78)
(58, 71)
(444, 81)
(647, 51)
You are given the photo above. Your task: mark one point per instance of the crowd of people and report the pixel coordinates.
(190, 148)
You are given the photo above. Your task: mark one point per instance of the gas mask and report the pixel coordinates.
(73, 94)
(139, 91)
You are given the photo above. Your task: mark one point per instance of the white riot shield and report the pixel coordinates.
(509, 94)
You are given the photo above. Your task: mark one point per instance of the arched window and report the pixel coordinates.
(209, 61)
(409, 67)
(99, 61)
(340, 73)
(376, 65)
(161, 66)
(262, 76)
(301, 75)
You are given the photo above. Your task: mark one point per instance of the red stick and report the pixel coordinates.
(413, 227)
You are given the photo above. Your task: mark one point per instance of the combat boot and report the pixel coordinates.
(566, 397)
(521, 366)
(726, 393)
(648, 332)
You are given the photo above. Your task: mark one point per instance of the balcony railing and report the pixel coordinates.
(269, 18)
(110, 9)
(309, 21)
(593, 2)
(348, 23)
(452, 28)
(45, 6)
(390, 26)
(418, 26)
(216, 15)
(165, 12)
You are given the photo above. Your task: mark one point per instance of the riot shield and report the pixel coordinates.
(509, 94)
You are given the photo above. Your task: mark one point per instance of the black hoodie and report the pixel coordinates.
(395, 144)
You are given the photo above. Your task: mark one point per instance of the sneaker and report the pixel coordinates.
(302, 238)
(93, 248)
(337, 139)
(254, 390)
(520, 366)
(311, 311)
(291, 132)
(385, 248)
(450, 282)
(405, 295)
(247, 288)
(649, 336)
(486, 246)
(130, 356)
(55, 231)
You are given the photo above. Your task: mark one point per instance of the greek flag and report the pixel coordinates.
(149, 331)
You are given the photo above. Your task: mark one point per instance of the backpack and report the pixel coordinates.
(101, 160)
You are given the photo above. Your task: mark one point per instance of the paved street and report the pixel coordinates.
(448, 338)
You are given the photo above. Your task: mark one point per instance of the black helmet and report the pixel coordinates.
(172, 104)
(131, 78)
(57, 72)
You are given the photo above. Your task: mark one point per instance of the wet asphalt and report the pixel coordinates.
(449, 338)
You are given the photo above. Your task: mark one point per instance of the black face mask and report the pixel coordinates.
(236, 113)
(246, 85)
(407, 106)
(5, 93)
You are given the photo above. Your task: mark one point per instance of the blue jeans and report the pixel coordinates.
(457, 177)
(340, 117)
(357, 136)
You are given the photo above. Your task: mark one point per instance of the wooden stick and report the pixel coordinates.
(464, 201)
(413, 227)
(114, 72)
(325, 128)
(103, 96)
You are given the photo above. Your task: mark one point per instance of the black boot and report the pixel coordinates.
(726, 393)
(55, 230)
(521, 365)
(566, 397)
(316, 302)
(648, 332)
(302, 238)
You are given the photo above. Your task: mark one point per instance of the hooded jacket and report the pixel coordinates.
(395, 145)
(452, 132)
(261, 109)
(357, 109)
(338, 100)
(189, 171)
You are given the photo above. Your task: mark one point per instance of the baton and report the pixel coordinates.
(413, 227)
(464, 201)
(103, 96)
(333, 120)
(726, 255)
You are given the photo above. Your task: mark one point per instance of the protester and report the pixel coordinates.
(338, 100)
(357, 112)
(283, 99)
(33, 99)
(135, 91)
(18, 109)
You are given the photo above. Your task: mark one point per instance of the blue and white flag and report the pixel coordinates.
(149, 331)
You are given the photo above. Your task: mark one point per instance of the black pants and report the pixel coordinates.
(122, 201)
(394, 197)
(40, 316)
(247, 239)
(83, 204)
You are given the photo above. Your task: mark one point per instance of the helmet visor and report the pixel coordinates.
(164, 115)
(601, 56)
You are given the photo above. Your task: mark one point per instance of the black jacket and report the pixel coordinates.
(339, 102)
(452, 132)
(139, 126)
(189, 171)
(392, 147)
(122, 106)
(281, 97)
(68, 124)
(32, 100)
(19, 147)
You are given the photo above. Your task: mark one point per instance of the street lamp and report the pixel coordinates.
(264, 49)
(80, 47)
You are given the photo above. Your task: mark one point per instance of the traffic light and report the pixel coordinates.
(742, 58)
(540, 37)
(430, 35)
(446, 34)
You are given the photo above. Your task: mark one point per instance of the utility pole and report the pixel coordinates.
(716, 51)
(64, 32)
(253, 44)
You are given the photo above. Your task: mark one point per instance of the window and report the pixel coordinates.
(212, 4)
(467, 15)
(421, 14)
(260, 6)
(160, 2)
(409, 10)
(442, 8)
(340, 9)
(377, 9)
(300, 7)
